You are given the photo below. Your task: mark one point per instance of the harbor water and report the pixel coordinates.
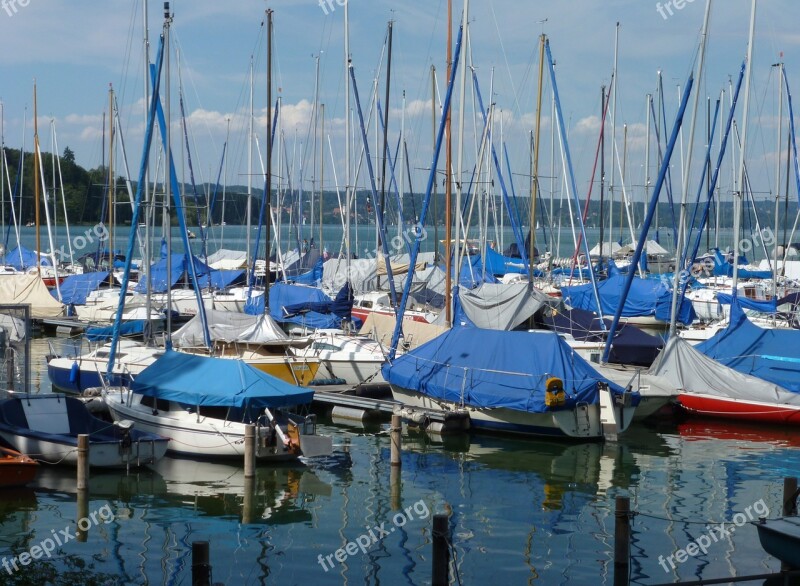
(522, 511)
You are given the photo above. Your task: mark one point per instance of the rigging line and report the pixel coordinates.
(505, 59)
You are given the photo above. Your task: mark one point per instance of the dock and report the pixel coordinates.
(63, 326)
(374, 402)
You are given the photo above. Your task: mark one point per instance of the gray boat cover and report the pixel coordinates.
(495, 306)
(693, 372)
(229, 326)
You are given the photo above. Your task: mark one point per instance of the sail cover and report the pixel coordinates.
(647, 297)
(216, 382)
(229, 326)
(496, 306)
(490, 368)
(769, 354)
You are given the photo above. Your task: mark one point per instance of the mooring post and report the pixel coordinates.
(201, 566)
(247, 505)
(249, 451)
(622, 541)
(789, 506)
(441, 550)
(394, 487)
(82, 530)
(397, 428)
(83, 462)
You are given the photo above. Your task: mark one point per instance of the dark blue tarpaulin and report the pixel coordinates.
(724, 268)
(769, 354)
(631, 345)
(21, 258)
(499, 265)
(134, 327)
(216, 382)
(76, 288)
(491, 368)
(647, 297)
(159, 279)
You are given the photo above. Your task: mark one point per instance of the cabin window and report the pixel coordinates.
(366, 304)
(155, 404)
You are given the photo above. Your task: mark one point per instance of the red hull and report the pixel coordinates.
(50, 282)
(16, 469)
(718, 407)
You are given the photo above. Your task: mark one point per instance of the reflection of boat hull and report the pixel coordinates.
(583, 421)
(726, 408)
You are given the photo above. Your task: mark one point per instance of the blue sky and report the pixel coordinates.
(75, 49)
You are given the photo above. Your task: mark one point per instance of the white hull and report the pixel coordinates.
(584, 421)
(190, 434)
(101, 455)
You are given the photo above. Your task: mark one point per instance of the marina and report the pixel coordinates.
(414, 310)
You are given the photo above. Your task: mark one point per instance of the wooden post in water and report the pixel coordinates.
(249, 451)
(249, 495)
(201, 566)
(789, 506)
(441, 550)
(82, 532)
(622, 541)
(397, 428)
(394, 487)
(83, 462)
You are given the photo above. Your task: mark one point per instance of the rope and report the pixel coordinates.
(40, 459)
(683, 521)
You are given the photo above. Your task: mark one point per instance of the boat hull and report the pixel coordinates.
(16, 469)
(582, 422)
(188, 434)
(724, 408)
(780, 538)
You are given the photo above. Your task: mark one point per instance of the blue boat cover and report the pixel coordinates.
(159, 280)
(472, 274)
(631, 345)
(216, 382)
(499, 265)
(312, 277)
(647, 297)
(769, 354)
(492, 368)
(76, 288)
(134, 327)
(304, 306)
(724, 268)
(28, 258)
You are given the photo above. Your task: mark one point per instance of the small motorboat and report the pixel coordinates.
(17, 469)
(48, 426)
(780, 538)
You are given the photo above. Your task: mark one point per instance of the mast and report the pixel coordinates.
(347, 178)
(602, 168)
(738, 194)
(168, 174)
(148, 204)
(268, 194)
(36, 182)
(386, 124)
(537, 142)
(462, 110)
(111, 183)
(613, 140)
(436, 182)
(250, 178)
(680, 256)
(448, 184)
(321, 173)
(778, 180)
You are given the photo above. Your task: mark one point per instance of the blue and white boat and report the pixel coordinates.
(204, 404)
(512, 382)
(47, 426)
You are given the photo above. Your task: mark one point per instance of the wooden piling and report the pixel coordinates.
(247, 505)
(396, 430)
(441, 550)
(250, 451)
(394, 487)
(82, 531)
(622, 541)
(83, 462)
(201, 565)
(789, 506)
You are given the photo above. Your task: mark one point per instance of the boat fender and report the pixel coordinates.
(74, 372)
(554, 395)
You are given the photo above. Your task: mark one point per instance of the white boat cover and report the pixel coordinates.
(31, 290)
(229, 326)
(693, 372)
(227, 260)
(651, 247)
(401, 263)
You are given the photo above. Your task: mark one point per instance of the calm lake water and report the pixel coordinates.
(522, 511)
